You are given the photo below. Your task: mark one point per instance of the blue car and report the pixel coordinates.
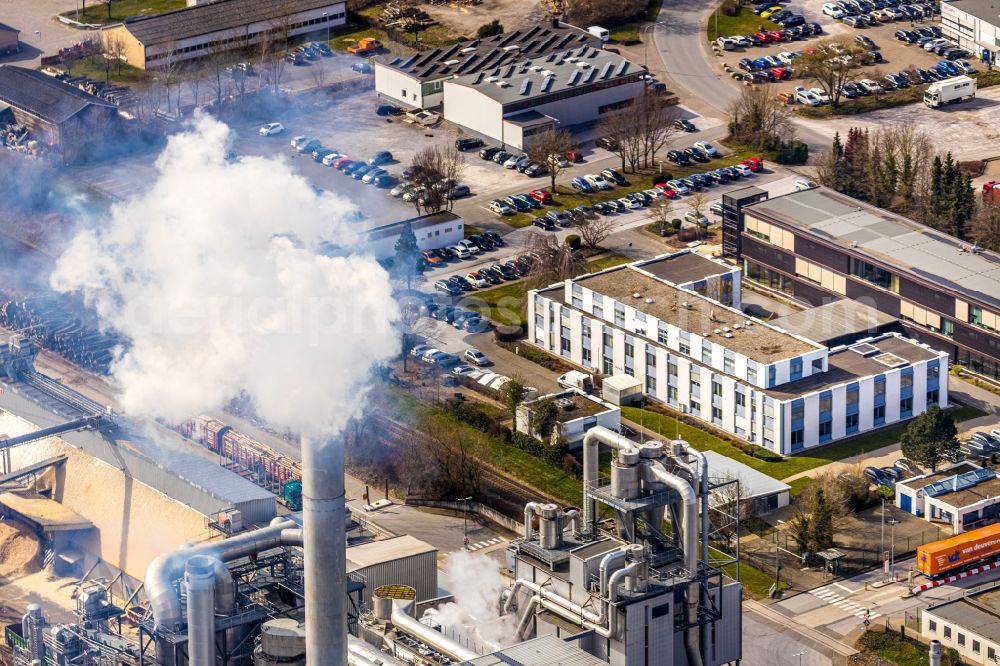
(762, 63)
(949, 67)
(580, 184)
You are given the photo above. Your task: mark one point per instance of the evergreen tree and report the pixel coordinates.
(821, 522)
(407, 263)
(929, 437)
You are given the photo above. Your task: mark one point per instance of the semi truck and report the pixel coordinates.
(951, 90)
(941, 557)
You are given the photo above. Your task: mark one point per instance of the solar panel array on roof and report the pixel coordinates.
(525, 86)
(574, 77)
(591, 75)
(547, 83)
(479, 78)
(606, 69)
(621, 68)
(953, 484)
(864, 349)
(510, 72)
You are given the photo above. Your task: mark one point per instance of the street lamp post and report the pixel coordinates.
(799, 655)
(465, 520)
(892, 548)
(327, 27)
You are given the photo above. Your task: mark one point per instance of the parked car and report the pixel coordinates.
(270, 129)
(597, 181)
(542, 196)
(607, 143)
(468, 143)
(388, 110)
(615, 176)
(545, 222)
(488, 152)
(581, 185)
(804, 184)
(500, 208)
(685, 125)
(475, 357)
(559, 217)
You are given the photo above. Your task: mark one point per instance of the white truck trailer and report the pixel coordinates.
(951, 90)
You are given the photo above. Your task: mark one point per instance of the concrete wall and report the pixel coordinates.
(958, 637)
(397, 86)
(428, 238)
(466, 106)
(135, 523)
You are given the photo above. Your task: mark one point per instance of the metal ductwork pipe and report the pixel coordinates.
(689, 533)
(403, 620)
(360, 653)
(32, 623)
(529, 511)
(163, 571)
(324, 543)
(199, 580)
(549, 526)
(571, 518)
(591, 459)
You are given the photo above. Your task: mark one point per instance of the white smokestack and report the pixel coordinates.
(214, 277)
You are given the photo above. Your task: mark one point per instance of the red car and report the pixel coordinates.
(777, 35)
(667, 190)
(342, 162)
(764, 37)
(780, 73)
(432, 257)
(754, 163)
(541, 195)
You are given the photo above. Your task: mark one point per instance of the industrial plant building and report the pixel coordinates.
(973, 25)
(418, 81)
(204, 30)
(575, 414)
(818, 245)
(432, 230)
(10, 41)
(963, 496)
(705, 357)
(970, 624)
(71, 124)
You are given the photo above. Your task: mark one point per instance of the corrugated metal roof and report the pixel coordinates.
(215, 16)
(892, 239)
(44, 96)
(385, 550)
(543, 651)
(752, 483)
(978, 614)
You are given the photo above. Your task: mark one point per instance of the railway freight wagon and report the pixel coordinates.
(940, 557)
(249, 458)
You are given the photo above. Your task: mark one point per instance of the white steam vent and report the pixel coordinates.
(214, 278)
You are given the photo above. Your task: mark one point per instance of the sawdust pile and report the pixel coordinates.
(20, 551)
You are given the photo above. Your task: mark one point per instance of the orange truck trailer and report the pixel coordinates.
(940, 557)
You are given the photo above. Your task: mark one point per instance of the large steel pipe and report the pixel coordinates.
(324, 543)
(199, 579)
(403, 620)
(591, 459)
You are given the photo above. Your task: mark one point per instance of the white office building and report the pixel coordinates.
(974, 25)
(675, 323)
(433, 231)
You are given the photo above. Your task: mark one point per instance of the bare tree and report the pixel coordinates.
(108, 3)
(217, 67)
(759, 120)
(731, 502)
(986, 226)
(318, 72)
(593, 230)
(616, 129)
(663, 218)
(412, 327)
(552, 261)
(448, 458)
(193, 79)
(167, 74)
(830, 72)
(114, 48)
(654, 124)
(435, 171)
(271, 45)
(550, 148)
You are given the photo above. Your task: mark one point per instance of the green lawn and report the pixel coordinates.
(798, 485)
(503, 304)
(703, 440)
(350, 35)
(627, 33)
(966, 413)
(900, 651)
(471, 230)
(98, 13)
(94, 68)
(745, 22)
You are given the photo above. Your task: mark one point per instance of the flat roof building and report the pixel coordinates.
(569, 88)
(417, 81)
(974, 25)
(576, 413)
(963, 496)
(223, 25)
(818, 245)
(69, 122)
(745, 376)
(969, 624)
(766, 493)
(838, 323)
(433, 231)
(10, 41)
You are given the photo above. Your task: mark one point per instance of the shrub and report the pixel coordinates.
(494, 27)
(886, 493)
(792, 153)
(573, 241)
(729, 8)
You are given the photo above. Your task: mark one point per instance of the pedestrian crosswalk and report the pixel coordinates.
(838, 597)
(484, 544)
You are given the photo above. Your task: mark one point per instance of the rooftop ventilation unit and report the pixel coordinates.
(891, 360)
(513, 47)
(648, 301)
(718, 331)
(706, 335)
(606, 70)
(686, 305)
(547, 83)
(636, 295)
(865, 349)
(535, 68)
(574, 77)
(725, 328)
(449, 63)
(748, 323)
(490, 79)
(736, 327)
(525, 86)
(583, 65)
(467, 49)
(729, 335)
(621, 68)
(503, 84)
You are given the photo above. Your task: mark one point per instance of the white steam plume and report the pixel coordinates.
(475, 614)
(214, 278)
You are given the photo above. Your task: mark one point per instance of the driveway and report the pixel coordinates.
(41, 33)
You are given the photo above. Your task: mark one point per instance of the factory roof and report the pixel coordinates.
(529, 118)
(6, 28)
(215, 16)
(977, 613)
(902, 244)
(760, 342)
(48, 514)
(847, 364)
(478, 55)
(542, 651)
(44, 96)
(580, 68)
(684, 267)
(574, 405)
(753, 484)
(984, 10)
(386, 550)
(838, 319)
(416, 223)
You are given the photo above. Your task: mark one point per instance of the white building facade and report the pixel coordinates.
(974, 25)
(432, 231)
(699, 355)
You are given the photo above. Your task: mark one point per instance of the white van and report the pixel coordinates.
(599, 32)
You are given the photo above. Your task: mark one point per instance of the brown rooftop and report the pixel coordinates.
(977, 493)
(846, 366)
(924, 481)
(758, 342)
(683, 267)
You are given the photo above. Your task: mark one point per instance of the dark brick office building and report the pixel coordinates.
(818, 245)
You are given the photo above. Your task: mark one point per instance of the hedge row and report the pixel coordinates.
(479, 419)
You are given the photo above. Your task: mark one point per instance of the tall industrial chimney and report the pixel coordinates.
(323, 541)
(199, 578)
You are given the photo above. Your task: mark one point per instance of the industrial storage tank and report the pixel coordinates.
(939, 557)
